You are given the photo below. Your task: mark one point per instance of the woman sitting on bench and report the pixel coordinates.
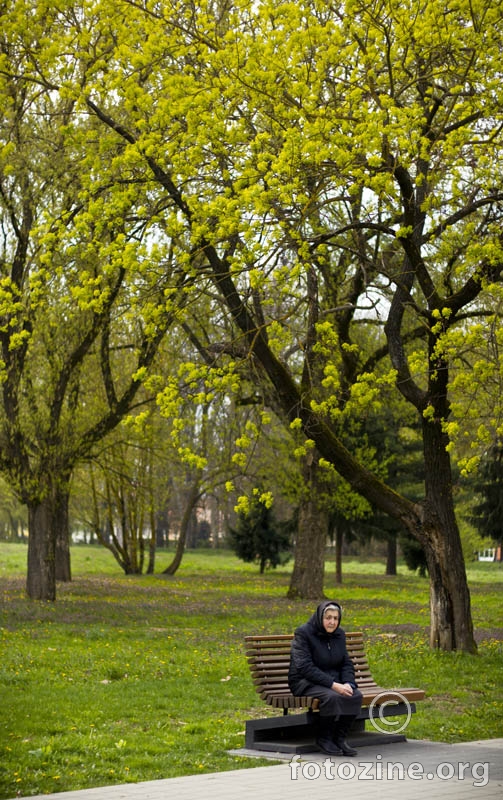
(321, 667)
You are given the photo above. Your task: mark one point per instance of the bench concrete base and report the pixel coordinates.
(296, 733)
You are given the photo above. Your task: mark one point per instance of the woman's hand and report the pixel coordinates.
(342, 688)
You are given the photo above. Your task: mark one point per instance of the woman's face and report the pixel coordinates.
(331, 620)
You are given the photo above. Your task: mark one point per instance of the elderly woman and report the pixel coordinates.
(320, 667)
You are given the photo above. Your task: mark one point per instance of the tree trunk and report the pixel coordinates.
(450, 624)
(391, 556)
(310, 544)
(152, 544)
(184, 527)
(62, 535)
(451, 621)
(41, 577)
(339, 539)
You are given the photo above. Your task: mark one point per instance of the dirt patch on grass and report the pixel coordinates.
(89, 600)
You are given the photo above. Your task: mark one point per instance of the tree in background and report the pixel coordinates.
(487, 514)
(13, 519)
(127, 486)
(394, 433)
(259, 537)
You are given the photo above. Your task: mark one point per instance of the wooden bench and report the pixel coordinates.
(269, 660)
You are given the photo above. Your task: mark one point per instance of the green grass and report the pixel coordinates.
(139, 678)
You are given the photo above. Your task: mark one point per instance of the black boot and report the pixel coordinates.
(342, 727)
(325, 740)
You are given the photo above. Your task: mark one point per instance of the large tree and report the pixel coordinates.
(322, 169)
(80, 319)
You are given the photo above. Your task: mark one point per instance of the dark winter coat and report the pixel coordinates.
(317, 657)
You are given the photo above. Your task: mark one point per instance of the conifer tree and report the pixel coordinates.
(258, 537)
(488, 512)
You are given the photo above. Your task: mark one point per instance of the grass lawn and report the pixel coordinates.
(140, 678)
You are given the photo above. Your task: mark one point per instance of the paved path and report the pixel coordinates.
(416, 768)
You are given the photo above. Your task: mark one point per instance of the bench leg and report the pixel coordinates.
(358, 726)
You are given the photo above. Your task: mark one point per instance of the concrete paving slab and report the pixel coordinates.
(401, 771)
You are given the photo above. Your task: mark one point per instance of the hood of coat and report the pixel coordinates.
(317, 618)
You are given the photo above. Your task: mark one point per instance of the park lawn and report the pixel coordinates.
(133, 678)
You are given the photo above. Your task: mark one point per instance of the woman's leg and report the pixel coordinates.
(328, 713)
(349, 710)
